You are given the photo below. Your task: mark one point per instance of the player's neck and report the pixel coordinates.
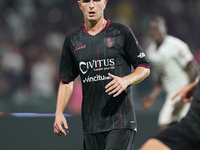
(94, 27)
(158, 43)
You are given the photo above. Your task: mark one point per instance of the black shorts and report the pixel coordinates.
(122, 139)
(184, 135)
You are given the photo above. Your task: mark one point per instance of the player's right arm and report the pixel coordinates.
(147, 102)
(64, 94)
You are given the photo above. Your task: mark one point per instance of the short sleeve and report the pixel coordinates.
(183, 55)
(68, 70)
(133, 50)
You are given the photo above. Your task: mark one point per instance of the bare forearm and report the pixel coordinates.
(118, 84)
(155, 92)
(192, 69)
(64, 94)
(138, 75)
(147, 102)
(192, 86)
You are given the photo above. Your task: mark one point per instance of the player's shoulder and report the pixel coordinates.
(73, 33)
(151, 47)
(70, 35)
(175, 41)
(120, 26)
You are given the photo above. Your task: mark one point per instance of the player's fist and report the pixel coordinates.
(147, 102)
(60, 125)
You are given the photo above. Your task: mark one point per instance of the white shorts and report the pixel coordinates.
(165, 115)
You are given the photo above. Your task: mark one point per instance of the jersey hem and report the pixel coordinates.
(131, 128)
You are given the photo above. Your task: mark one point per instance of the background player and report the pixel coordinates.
(185, 134)
(102, 52)
(175, 67)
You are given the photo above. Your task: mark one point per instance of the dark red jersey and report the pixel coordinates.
(113, 50)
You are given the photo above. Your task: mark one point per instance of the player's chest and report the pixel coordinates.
(161, 57)
(98, 47)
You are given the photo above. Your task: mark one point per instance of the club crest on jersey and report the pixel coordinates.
(109, 42)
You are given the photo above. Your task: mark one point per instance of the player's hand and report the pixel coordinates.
(183, 96)
(147, 103)
(116, 86)
(185, 93)
(60, 125)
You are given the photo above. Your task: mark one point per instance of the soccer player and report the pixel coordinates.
(102, 53)
(175, 67)
(184, 135)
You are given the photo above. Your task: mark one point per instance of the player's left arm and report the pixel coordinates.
(192, 70)
(186, 60)
(119, 84)
(135, 56)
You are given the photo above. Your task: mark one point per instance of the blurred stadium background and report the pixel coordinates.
(31, 37)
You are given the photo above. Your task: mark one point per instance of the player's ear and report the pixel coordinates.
(105, 2)
(79, 3)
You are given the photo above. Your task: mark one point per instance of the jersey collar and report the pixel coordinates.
(107, 24)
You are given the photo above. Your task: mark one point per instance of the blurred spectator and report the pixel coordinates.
(54, 40)
(16, 24)
(43, 76)
(12, 63)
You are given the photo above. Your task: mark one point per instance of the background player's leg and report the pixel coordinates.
(154, 144)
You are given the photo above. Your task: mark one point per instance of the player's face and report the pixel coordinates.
(92, 9)
(157, 31)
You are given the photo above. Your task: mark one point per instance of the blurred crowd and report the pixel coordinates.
(32, 34)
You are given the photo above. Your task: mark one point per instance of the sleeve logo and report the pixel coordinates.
(141, 55)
